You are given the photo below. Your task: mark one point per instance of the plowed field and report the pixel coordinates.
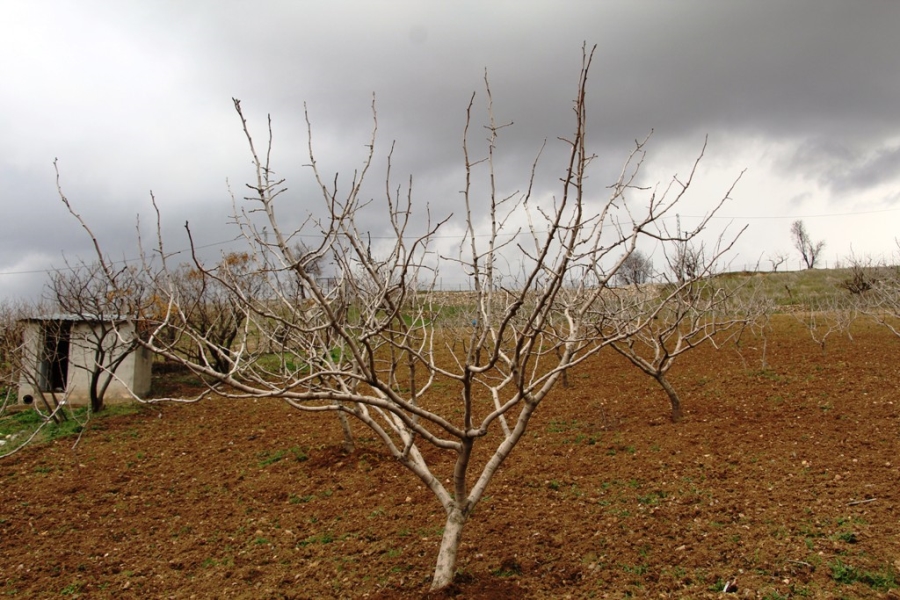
(786, 478)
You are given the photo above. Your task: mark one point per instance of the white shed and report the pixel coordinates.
(60, 353)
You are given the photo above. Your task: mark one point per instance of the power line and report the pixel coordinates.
(461, 236)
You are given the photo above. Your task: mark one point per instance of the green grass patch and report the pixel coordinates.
(652, 498)
(270, 457)
(15, 429)
(72, 589)
(882, 580)
(267, 458)
(324, 538)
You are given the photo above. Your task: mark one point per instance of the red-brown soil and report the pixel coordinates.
(787, 478)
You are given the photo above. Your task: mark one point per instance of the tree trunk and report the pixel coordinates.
(96, 396)
(445, 568)
(349, 443)
(674, 400)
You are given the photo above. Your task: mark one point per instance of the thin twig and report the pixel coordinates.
(800, 562)
(855, 502)
(83, 428)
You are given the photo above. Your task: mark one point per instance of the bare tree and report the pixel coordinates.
(687, 262)
(824, 317)
(777, 259)
(380, 343)
(864, 275)
(809, 250)
(695, 310)
(206, 297)
(637, 269)
(11, 338)
(95, 294)
(757, 308)
(315, 268)
(881, 300)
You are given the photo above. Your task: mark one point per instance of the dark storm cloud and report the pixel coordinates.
(772, 69)
(766, 67)
(845, 169)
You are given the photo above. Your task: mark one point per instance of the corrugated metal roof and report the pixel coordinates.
(74, 318)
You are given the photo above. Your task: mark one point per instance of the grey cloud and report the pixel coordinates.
(843, 168)
(869, 171)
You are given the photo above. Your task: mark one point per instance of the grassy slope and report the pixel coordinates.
(789, 288)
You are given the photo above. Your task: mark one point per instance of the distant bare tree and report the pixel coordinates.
(756, 308)
(382, 343)
(809, 250)
(686, 262)
(637, 268)
(864, 275)
(777, 259)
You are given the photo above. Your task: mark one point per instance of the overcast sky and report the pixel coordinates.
(136, 95)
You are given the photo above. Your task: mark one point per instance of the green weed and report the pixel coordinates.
(652, 498)
(882, 580)
(72, 589)
(325, 538)
(636, 569)
(269, 458)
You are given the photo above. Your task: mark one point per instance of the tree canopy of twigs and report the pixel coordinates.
(381, 340)
(878, 285)
(210, 306)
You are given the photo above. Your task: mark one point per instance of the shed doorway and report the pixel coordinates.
(54, 369)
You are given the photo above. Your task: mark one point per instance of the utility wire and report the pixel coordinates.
(460, 236)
